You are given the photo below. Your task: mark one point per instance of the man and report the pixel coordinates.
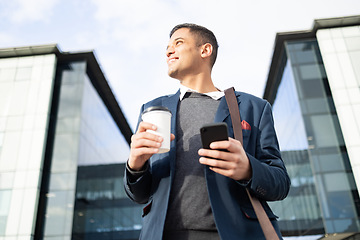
(194, 193)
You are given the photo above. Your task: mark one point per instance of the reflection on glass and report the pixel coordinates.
(288, 119)
(7, 74)
(102, 207)
(312, 148)
(1, 138)
(5, 197)
(101, 141)
(23, 74)
(87, 140)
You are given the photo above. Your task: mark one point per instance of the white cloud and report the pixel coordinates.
(245, 31)
(35, 10)
(132, 13)
(130, 36)
(136, 24)
(6, 39)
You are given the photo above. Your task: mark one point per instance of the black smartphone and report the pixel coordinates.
(213, 132)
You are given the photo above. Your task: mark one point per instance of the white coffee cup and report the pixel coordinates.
(161, 118)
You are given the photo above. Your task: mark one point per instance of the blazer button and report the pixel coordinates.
(261, 191)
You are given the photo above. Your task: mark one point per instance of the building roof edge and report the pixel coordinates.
(29, 50)
(271, 85)
(96, 75)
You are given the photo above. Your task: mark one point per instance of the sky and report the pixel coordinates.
(130, 37)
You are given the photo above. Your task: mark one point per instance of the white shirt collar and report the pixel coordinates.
(214, 95)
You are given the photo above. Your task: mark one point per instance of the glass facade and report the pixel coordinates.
(26, 85)
(62, 153)
(300, 211)
(340, 50)
(323, 197)
(102, 209)
(61, 195)
(85, 135)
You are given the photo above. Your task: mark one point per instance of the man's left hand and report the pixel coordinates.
(232, 163)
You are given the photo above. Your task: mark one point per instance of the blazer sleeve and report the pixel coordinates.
(270, 180)
(138, 186)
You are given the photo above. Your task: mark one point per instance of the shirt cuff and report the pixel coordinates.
(245, 183)
(134, 175)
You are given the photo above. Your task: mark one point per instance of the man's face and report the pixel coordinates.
(183, 54)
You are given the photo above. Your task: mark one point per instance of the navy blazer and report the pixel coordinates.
(232, 210)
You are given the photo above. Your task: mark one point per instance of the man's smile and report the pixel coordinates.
(171, 60)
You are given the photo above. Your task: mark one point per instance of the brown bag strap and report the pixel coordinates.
(264, 220)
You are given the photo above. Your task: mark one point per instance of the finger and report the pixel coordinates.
(223, 172)
(146, 135)
(143, 126)
(215, 163)
(232, 145)
(145, 152)
(145, 143)
(220, 145)
(217, 154)
(172, 137)
(225, 168)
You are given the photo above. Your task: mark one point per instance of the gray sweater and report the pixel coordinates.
(189, 206)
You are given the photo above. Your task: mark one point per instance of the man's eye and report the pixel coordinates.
(178, 42)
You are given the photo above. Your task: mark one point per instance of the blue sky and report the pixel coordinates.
(129, 37)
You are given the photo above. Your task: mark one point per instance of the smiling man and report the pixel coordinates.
(194, 193)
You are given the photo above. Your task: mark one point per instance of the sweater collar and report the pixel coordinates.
(216, 95)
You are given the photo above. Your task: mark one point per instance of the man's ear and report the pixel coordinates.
(206, 50)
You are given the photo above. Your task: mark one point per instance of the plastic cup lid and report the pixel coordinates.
(156, 108)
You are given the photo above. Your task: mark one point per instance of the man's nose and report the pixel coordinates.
(170, 50)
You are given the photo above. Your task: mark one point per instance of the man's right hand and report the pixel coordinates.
(144, 145)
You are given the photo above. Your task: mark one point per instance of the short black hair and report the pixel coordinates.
(203, 35)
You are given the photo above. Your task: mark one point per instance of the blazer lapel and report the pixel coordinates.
(223, 109)
(223, 113)
(171, 102)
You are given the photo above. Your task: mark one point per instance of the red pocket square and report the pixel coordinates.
(245, 125)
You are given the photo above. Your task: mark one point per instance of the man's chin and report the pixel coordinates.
(172, 74)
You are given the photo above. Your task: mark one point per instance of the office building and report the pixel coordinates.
(63, 144)
(314, 88)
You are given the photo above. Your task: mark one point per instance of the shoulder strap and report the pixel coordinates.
(234, 113)
(264, 221)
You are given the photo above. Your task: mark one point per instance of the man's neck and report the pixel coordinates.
(200, 83)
